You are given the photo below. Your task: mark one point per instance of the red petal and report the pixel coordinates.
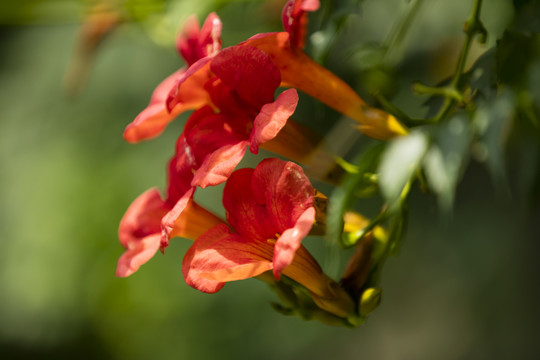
(219, 165)
(294, 19)
(249, 71)
(218, 143)
(206, 131)
(272, 118)
(285, 190)
(210, 36)
(180, 171)
(244, 213)
(187, 43)
(218, 256)
(193, 44)
(290, 241)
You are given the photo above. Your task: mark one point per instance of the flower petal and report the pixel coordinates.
(206, 131)
(249, 71)
(152, 121)
(190, 93)
(247, 216)
(272, 118)
(138, 231)
(194, 44)
(286, 191)
(210, 36)
(168, 221)
(290, 240)
(218, 256)
(132, 259)
(219, 165)
(142, 218)
(186, 219)
(294, 19)
(180, 171)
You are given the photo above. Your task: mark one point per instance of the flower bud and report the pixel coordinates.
(370, 300)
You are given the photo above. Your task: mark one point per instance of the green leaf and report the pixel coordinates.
(399, 162)
(483, 78)
(492, 124)
(447, 156)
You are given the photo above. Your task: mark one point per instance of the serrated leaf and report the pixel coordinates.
(399, 162)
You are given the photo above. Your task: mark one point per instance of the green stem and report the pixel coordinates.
(472, 26)
(453, 93)
(445, 91)
(400, 205)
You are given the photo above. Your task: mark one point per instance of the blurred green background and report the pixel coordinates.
(464, 286)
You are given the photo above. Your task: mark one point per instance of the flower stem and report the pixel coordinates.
(471, 27)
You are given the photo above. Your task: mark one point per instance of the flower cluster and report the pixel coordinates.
(270, 209)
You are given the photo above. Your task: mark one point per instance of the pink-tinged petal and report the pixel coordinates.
(219, 256)
(294, 19)
(286, 191)
(152, 121)
(272, 118)
(139, 254)
(138, 231)
(301, 72)
(190, 92)
(193, 44)
(249, 71)
(219, 165)
(290, 240)
(142, 218)
(310, 5)
(168, 221)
